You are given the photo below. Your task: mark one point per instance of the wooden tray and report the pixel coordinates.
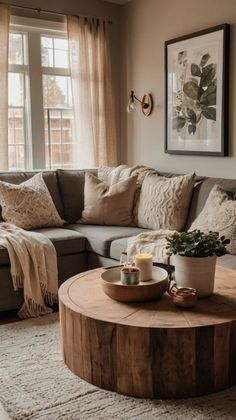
(149, 290)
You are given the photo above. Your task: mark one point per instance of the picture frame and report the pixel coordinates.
(196, 93)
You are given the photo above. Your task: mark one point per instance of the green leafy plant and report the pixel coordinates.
(197, 244)
(198, 96)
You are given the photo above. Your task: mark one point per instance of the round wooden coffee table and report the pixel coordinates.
(151, 349)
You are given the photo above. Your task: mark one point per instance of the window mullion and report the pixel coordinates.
(36, 94)
(56, 71)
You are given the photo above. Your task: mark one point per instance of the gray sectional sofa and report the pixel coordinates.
(82, 247)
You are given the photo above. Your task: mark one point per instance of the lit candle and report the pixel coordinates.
(144, 262)
(130, 275)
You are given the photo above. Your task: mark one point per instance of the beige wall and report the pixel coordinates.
(95, 8)
(147, 25)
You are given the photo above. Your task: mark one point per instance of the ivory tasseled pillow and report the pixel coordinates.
(28, 205)
(108, 205)
(218, 215)
(164, 202)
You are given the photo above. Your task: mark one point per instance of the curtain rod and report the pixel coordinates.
(38, 10)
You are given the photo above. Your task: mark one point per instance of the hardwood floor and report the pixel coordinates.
(8, 317)
(11, 316)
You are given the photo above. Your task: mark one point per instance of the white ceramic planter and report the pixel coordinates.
(198, 273)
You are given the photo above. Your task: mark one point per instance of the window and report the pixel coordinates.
(40, 101)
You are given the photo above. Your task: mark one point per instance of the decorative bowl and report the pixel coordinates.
(143, 291)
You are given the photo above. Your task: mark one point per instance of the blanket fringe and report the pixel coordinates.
(50, 298)
(18, 281)
(31, 309)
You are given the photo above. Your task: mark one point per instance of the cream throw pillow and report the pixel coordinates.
(28, 205)
(164, 202)
(108, 205)
(218, 215)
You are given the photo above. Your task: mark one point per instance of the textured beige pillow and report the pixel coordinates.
(28, 205)
(218, 215)
(108, 205)
(164, 202)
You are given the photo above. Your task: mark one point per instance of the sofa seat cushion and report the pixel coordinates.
(120, 245)
(66, 242)
(117, 247)
(227, 261)
(99, 238)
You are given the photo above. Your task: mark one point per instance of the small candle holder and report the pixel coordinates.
(185, 297)
(130, 275)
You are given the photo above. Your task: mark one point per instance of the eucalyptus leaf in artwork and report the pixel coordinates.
(194, 80)
(178, 122)
(204, 59)
(209, 96)
(209, 112)
(182, 56)
(191, 115)
(200, 92)
(191, 90)
(195, 70)
(192, 128)
(208, 74)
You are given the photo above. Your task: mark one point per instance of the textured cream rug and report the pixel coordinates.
(35, 384)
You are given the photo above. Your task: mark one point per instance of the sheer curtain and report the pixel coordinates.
(93, 99)
(4, 35)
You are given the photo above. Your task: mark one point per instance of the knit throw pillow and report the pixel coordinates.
(108, 205)
(164, 202)
(218, 215)
(28, 205)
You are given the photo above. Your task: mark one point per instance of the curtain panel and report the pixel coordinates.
(4, 37)
(92, 92)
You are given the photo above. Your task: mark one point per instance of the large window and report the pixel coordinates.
(40, 100)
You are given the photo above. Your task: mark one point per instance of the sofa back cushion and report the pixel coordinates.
(218, 214)
(201, 192)
(50, 179)
(71, 184)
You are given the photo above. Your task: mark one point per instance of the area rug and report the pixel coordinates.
(35, 384)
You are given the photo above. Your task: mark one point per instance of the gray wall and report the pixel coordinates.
(147, 24)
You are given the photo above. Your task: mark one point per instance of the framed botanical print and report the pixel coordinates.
(197, 68)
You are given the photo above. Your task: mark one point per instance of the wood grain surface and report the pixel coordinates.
(151, 349)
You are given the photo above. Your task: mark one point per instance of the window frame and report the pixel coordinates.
(34, 29)
(24, 69)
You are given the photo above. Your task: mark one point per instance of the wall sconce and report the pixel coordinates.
(146, 103)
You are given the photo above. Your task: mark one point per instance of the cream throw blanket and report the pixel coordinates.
(33, 268)
(153, 242)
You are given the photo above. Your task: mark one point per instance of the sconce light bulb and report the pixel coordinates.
(132, 106)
